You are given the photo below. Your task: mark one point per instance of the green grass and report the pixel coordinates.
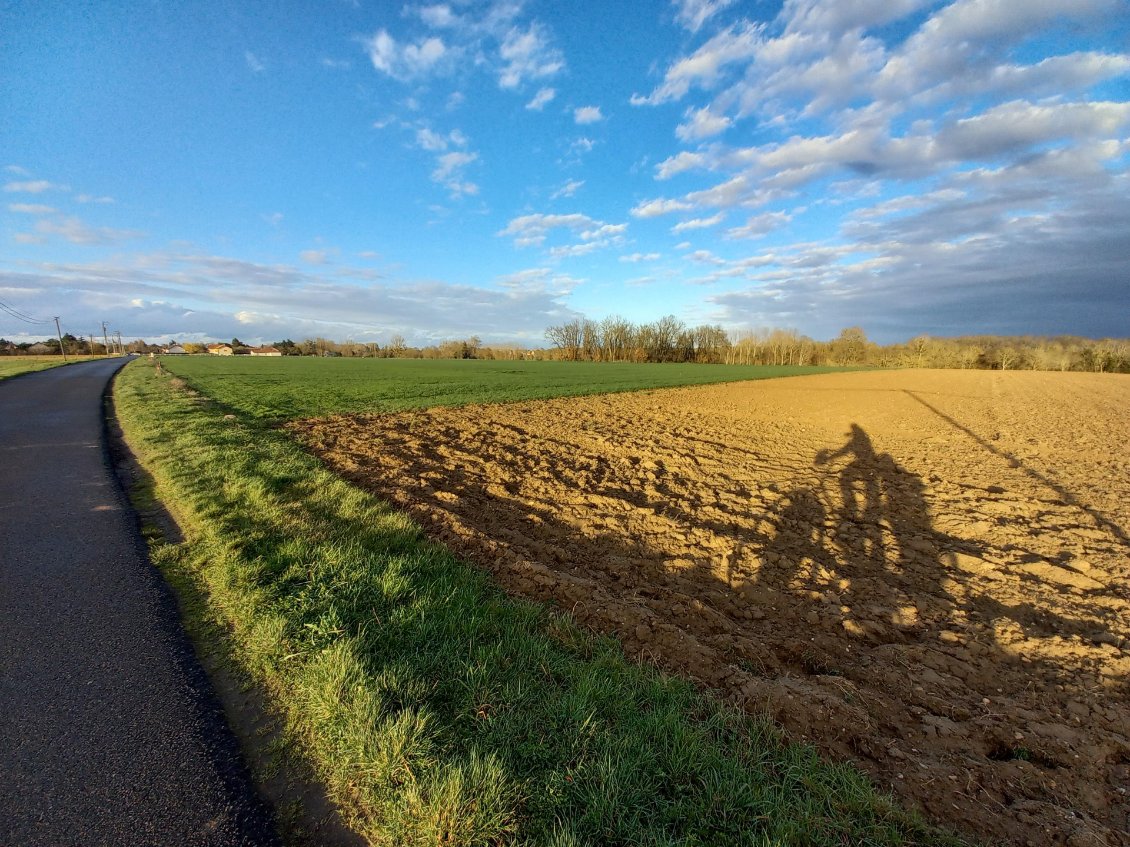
(292, 387)
(437, 710)
(15, 365)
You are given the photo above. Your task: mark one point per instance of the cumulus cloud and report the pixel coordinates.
(692, 14)
(698, 223)
(657, 207)
(759, 226)
(568, 189)
(590, 234)
(540, 280)
(587, 115)
(434, 142)
(30, 209)
(541, 99)
(683, 161)
(701, 123)
(530, 230)
(449, 172)
(202, 297)
(439, 16)
(34, 186)
(405, 61)
(527, 54)
(704, 67)
(76, 231)
(254, 63)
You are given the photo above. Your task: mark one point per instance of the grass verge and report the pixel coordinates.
(15, 365)
(437, 710)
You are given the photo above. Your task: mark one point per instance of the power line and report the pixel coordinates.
(20, 316)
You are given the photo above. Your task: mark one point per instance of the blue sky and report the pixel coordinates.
(364, 169)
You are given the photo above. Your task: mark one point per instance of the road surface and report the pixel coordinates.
(110, 733)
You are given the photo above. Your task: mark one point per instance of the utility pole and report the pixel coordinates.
(121, 350)
(92, 345)
(105, 340)
(59, 333)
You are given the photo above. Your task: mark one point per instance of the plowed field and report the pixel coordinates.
(927, 572)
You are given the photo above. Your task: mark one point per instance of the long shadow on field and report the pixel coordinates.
(864, 541)
(840, 606)
(1069, 497)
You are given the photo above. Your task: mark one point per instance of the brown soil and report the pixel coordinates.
(926, 572)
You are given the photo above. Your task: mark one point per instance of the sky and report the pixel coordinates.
(359, 169)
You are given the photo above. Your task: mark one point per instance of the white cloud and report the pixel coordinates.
(692, 14)
(254, 63)
(702, 123)
(405, 61)
(759, 226)
(683, 161)
(698, 223)
(533, 230)
(37, 186)
(91, 198)
(641, 257)
(565, 251)
(449, 172)
(540, 280)
(16, 170)
(581, 145)
(961, 40)
(660, 206)
(587, 115)
(1018, 126)
(1053, 76)
(742, 190)
(603, 231)
(704, 67)
(200, 297)
(836, 18)
(77, 231)
(705, 257)
(541, 99)
(568, 189)
(527, 54)
(439, 16)
(30, 209)
(315, 257)
(530, 230)
(430, 140)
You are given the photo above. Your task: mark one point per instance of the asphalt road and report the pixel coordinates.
(110, 733)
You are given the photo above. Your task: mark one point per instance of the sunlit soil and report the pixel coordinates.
(927, 572)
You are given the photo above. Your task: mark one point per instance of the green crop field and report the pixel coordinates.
(292, 387)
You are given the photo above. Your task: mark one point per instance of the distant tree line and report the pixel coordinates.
(668, 339)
